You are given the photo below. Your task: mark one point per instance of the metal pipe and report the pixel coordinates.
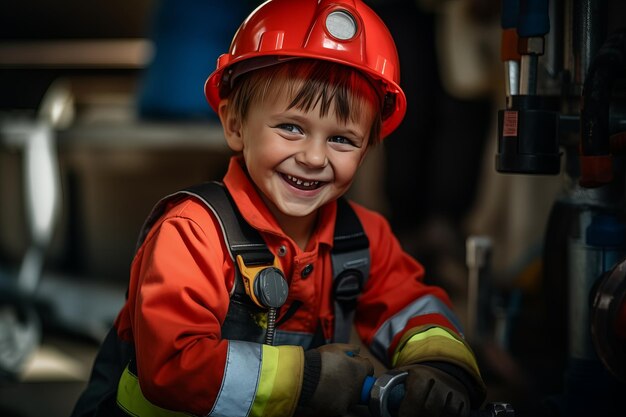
(512, 74)
(528, 75)
(478, 256)
(608, 64)
(590, 22)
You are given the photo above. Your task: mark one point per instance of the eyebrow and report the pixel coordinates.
(302, 119)
(353, 132)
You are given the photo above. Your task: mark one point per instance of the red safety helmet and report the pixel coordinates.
(342, 31)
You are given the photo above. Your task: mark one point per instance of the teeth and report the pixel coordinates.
(298, 181)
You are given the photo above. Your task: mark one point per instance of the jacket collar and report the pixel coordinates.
(258, 215)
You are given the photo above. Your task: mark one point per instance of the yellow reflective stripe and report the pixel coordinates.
(269, 367)
(131, 399)
(418, 337)
(436, 344)
(280, 381)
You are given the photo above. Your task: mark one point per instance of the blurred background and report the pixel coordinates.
(505, 179)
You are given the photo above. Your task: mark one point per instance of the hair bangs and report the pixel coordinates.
(310, 84)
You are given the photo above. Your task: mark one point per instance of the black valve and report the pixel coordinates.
(528, 134)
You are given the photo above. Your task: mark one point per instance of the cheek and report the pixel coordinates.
(260, 155)
(260, 158)
(346, 169)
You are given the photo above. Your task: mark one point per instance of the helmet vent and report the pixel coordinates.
(341, 25)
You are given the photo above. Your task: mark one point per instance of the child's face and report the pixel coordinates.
(300, 160)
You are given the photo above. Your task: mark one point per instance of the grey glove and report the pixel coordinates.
(432, 392)
(333, 377)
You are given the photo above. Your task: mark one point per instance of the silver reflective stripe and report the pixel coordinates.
(428, 304)
(241, 379)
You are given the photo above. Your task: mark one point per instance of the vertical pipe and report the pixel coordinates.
(509, 48)
(478, 257)
(528, 75)
(590, 20)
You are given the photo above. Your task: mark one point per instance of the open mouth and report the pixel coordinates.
(302, 184)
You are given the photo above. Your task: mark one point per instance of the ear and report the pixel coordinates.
(231, 125)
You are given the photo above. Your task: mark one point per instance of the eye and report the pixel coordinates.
(291, 128)
(341, 140)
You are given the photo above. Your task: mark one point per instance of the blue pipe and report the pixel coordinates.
(534, 18)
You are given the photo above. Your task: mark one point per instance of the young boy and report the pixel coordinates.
(307, 88)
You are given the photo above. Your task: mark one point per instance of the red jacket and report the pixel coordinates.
(182, 275)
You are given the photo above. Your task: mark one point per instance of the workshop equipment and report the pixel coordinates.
(478, 256)
(585, 240)
(608, 320)
(20, 328)
(527, 128)
(490, 308)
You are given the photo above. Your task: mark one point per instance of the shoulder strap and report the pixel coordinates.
(241, 238)
(351, 267)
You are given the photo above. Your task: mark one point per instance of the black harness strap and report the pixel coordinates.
(241, 238)
(351, 268)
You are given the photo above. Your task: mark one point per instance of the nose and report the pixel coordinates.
(313, 154)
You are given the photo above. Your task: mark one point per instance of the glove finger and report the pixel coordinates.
(456, 404)
(459, 408)
(435, 402)
(412, 405)
(443, 394)
(416, 393)
(451, 394)
(445, 403)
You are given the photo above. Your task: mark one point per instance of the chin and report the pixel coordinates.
(301, 211)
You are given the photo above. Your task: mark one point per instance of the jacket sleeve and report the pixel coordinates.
(178, 298)
(399, 317)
